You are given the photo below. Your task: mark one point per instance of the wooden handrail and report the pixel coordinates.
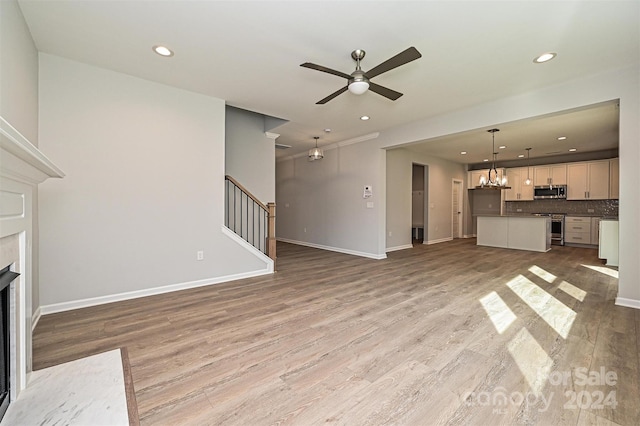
(246, 191)
(270, 210)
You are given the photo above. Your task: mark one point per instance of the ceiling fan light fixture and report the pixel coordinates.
(358, 82)
(358, 87)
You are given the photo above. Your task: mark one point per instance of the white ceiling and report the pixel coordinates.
(588, 129)
(249, 54)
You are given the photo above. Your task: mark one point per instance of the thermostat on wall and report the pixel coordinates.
(367, 191)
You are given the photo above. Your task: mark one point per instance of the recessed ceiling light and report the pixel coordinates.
(561, 138)
(544, 57)
(463, 152)
(485, 160)
(521, 156)
(502, 147)
(327, 130)
(572, 150)
(364, 118)
(163, 50)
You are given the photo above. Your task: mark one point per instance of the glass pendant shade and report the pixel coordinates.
(528, 179)
(315, 153)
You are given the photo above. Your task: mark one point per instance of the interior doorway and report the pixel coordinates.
(418, 202)
(456, 209)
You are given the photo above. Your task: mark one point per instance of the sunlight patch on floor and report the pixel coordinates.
(499, 313)
(531, 358)
(573, 291)
(551, 310)
(547, 276)
(603, 270)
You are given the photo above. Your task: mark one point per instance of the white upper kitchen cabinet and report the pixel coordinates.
(519, 190)
(588, 180)
(474, 177)
(555, 174)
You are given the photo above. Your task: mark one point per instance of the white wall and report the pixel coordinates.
(325, 197)
(616, 84)
(144, 189)
(19, 71)
(438, 193)
(250, 155)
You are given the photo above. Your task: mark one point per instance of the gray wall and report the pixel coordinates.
(320, 203)
(437, 192)
(249, 153)
(19, 100)
(399, 172)
(19, 71)
(144, 189)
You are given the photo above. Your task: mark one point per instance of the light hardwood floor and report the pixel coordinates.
(431, 335)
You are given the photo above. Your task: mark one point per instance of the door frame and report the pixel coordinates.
(460, 216)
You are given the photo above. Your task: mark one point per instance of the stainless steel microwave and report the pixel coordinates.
(549, 191)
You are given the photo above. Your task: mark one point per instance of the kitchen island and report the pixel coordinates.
(515, 232)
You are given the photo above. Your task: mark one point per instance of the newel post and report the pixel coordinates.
(271, 235)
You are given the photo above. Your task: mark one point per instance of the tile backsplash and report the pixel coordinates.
(577, 207)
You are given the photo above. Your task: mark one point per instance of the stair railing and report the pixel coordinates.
(248, 217)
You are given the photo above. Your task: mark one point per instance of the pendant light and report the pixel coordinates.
(316, 153)
(493, 180)
(528, 180)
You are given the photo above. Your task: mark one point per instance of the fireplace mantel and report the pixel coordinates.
(22, 167)
(21, 160)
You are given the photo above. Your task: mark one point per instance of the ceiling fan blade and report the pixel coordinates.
(333, 95)
(411, 54)
(386, 92)
(325, 69)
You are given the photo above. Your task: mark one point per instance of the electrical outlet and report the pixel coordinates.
(519, 210)
(200, 255)
(305, 230)
(390, 234)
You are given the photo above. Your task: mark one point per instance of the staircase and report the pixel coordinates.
(249, 218)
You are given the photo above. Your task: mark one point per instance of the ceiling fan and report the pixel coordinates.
(359, 82)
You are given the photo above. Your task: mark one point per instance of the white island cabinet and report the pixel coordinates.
(515, 232)
(608, 248)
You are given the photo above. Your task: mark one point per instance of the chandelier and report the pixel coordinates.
(492, 180)
(316, 153)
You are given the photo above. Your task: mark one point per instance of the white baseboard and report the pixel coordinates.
(336, 249)
(101, 300)
(441, 240)
(629, 303)
(35, 318)
(404, 247)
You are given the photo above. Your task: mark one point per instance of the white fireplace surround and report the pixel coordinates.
(22, 168)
